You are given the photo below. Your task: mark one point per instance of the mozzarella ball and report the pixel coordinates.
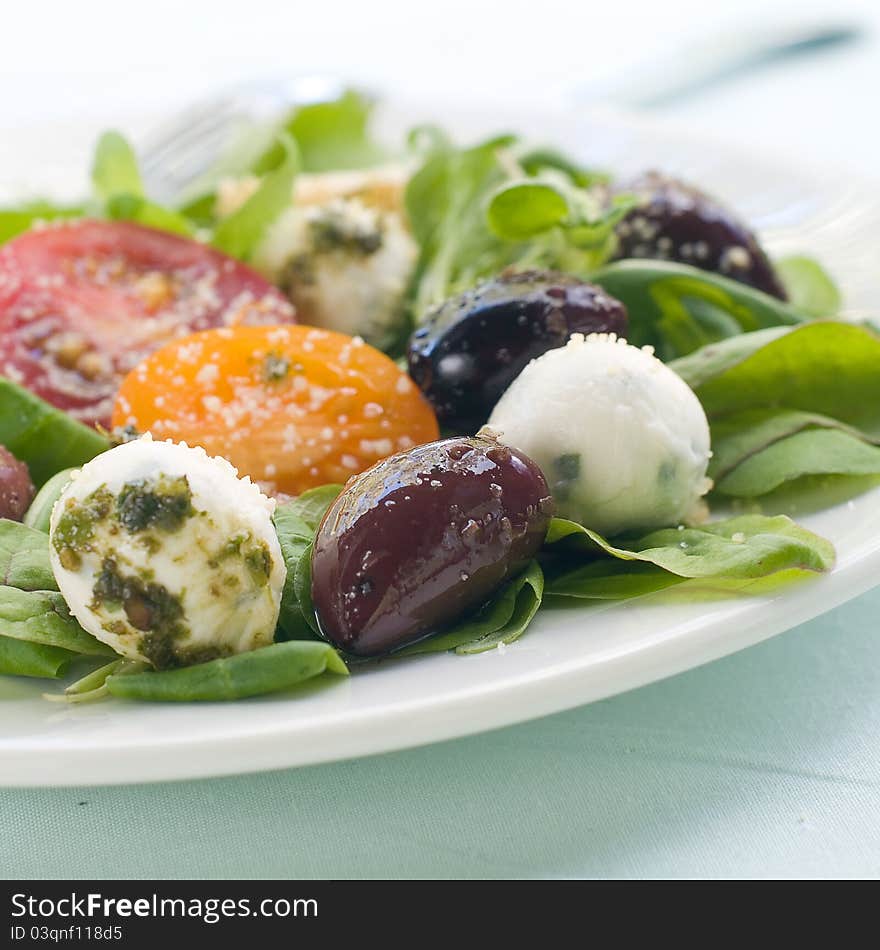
(622, 439)
(345, 266)
(166, 555)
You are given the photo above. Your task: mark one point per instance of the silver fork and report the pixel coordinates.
(182, 150)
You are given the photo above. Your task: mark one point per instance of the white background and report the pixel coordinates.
(100, 62)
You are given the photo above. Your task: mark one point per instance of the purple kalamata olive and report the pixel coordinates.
(16, 488)
(473, 346)
(423, 538)
(677, 222)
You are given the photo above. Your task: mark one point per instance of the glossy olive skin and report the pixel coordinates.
(678, 222)
(473, 346)
(423, 538)
(16, 487)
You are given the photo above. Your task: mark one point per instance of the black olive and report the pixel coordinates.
(423, 538)
(677, 222)
(473, 346)
(16, 488)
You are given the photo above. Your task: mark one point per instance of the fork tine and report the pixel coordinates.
(181, 134)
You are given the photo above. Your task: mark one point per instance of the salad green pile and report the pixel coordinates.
(792, 394)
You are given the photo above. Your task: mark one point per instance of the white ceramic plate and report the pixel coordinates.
(569, 656)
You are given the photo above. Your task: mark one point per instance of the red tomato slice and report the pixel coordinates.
(82, 303)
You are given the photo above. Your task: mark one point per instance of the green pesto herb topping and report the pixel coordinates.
(148, 606)
(75, 530)
(275, 368)
(163, 503)
(259, 561)
(334, 230)
(255, 554)
(566, 470)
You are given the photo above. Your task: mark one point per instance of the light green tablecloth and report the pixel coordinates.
(765, 763)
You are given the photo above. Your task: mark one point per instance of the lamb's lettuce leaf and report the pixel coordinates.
(741, 548)
(823, 451)
(476, 211)
(17, 220)
(809, 286)
(501, 621)
(825, 367)
(296, 522)
(43, 617)
(240, 233)
(677, 308)
(24, 557)
(44, 438)
(789, 403)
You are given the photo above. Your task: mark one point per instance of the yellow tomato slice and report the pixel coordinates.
(291, 406)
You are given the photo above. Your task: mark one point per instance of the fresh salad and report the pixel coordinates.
(343, 403)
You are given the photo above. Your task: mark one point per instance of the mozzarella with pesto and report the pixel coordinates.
(622, 439)
(165, 554)
(344, 265)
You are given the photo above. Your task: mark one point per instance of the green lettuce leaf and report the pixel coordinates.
(42, 617)
(502, 620)
(740, 435)
(15, 221)
(255, 673)
(115, 168)
(826, 367)
(825, 451)
(808, 285)
(330, 135)
(240, 233)
(789, 403)
(21, 658)
(44, 438)
(296, 522)
(748, 546)
(24, 558)
(677, 308)
(476, 211)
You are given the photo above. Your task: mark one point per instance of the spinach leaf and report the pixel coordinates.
(115, 168)
(240, 233)
(330, 135)
(15, 221)
(741, 435)
(42, 617)
(93, 685)
(296, 522)
(445, 203)
(826, 451)
(787, 403)
(747, 546)
(21, 658)
(809, 286)
(312, 505)
(524, 209)
(256, 673)
(44, 438)
(24, 558)
(476, 211)
(302, 586)
(677, 308)
(608, 579)
(149, 214)
(826, 367)
(39, 515)
(501, 621)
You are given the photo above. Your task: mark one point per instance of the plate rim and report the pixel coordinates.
(573, 682)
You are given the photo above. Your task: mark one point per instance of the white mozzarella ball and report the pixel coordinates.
(165, 554)
(622, 439)
(345, 265)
